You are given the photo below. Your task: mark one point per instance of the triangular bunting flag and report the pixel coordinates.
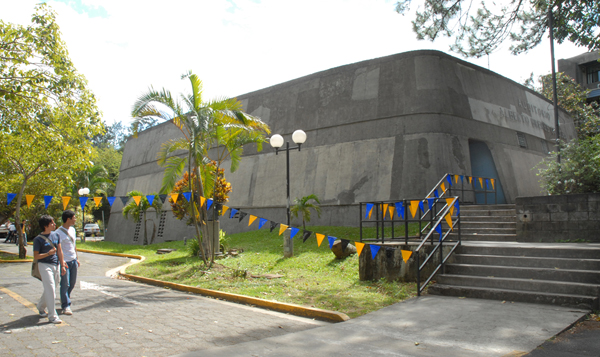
(137, 199)
(421, 206)
(111, 200)
(233, 212)
(413, 208)
(457, 207)
(261, 222)
(449, 221)
(305, 236)
(65, 201)
(405, 254)
(384, 210)
(331, 241)
(10, 197)
(163, 197)
(124, 199)
(225, 208)
(293, 232)
(374, 250)
(443, 187)
(29, 199)
(47, 200)
(202, 200)
(282, 228)
(242, 214)
(456, 178)
(209, 203)
(449, 203)
(487, 184)
(344, 244)
(438, 229)
(369, 208)
(320, 238)
(481, 182)
(150, 199)
(470, 180)
(273, 225)
(97, 201)
(187, 195)
(392, 209)
(430, 203)
(359, 247)
(174, 197)
(251, 220)
(462, 178)
(449, 179)
(400, 209)
(436, 194)
(493, 185)
(82, 202)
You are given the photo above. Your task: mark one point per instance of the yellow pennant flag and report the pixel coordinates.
(320, 238)
(481, 182)
(470, 180)
(492, 181)
(251, 220)
(406, 254)
(391, 212)
(449, 220)
(359, 247)
(65, 200)
(455, 178)
(29, 199)
(225, 208)
(413, 208)
(282, 228)
(385, 207)
(202, 200)
(371, 212)
(443, 187)
(137, 199)
(97, 200)
(174, 197)
(449, 203)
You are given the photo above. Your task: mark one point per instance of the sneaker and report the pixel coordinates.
(43, 313)
(67, 311)
(56, 321)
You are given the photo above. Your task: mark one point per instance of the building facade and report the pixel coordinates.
(585, 70)
(382, 129)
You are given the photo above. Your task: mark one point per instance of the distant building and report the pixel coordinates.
(388, 128)
(585, 69)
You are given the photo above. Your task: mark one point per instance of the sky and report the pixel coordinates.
(123, 47)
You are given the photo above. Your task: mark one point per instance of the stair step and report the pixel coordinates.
(488, 213)
(558, 250)
(537, 262)
(546, 286)
(495, 219)
(492, 237)
(579, 301)
(490, 230)
(484, 225)
(486, 207)
(580, 276)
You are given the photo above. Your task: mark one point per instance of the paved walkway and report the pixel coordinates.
(121, 318)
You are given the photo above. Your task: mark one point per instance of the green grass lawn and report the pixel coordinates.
(313, 277)
(7, 256)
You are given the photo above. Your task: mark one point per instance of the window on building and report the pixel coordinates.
(592, 71)
(522, 140)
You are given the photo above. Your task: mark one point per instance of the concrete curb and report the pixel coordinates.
(293, 309)
(15, 260)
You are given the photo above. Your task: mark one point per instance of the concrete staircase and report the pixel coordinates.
(566, 274)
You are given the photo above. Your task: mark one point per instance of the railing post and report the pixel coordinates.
(360, 220)
(418, 274)
(405, 222)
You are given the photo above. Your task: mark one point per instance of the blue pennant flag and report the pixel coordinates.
(83, 201)
(374, 250)
(331, 241)
(487, 184)
(188, 196)
(462, 178)
(369, 208)
(430, 203)
(261, 222)
(47, 200)
(438, 229)
(457, 206)
(293, 232)
(400, 209)
(150, 199)
(421, 206)
(10, 197)
(209, 203)
(111, 200)
(435, 193)
(233, 212)
(449, 179)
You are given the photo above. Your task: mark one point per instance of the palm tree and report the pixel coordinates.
(219, 124)
(302, 207)
(134, 211)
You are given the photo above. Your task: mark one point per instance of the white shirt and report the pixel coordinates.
(67, 244)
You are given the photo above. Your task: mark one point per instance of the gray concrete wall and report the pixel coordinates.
(382, 129)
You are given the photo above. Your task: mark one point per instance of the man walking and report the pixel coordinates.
(67, 242)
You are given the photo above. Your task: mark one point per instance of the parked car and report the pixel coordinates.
(91, 229)
(4, 230)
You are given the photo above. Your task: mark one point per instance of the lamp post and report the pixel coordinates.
(83, 192)
(276, 141)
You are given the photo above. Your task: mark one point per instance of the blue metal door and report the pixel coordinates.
(482, 165)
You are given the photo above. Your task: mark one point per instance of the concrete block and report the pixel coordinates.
(572, 225)
(538, 200)
(594, 197)
(559, 216)
(540, 217)
(552, 207)
(578, 216)
(555, 226)
(560, 199)
(593, 206)
(577, 198)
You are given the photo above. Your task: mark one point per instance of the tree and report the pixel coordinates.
(137, 211)
(302, 206)
(47, 114)
(479, 28)
(219, 124)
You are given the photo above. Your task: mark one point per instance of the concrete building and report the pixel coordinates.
(585, 69)
(382, 129)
